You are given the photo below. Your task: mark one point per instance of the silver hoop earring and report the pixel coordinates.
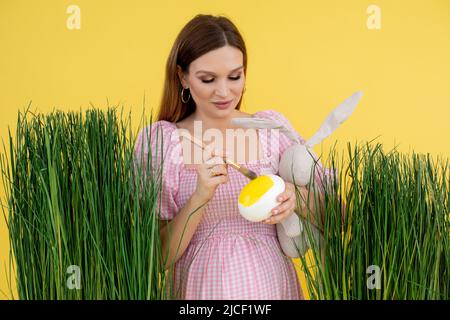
(182, 96)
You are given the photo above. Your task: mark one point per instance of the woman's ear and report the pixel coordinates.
(182, 77)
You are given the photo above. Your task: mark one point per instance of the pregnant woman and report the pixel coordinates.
(215, 253)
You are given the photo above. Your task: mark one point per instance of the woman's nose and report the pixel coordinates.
(222, 89)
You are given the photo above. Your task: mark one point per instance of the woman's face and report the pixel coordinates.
(217, 76)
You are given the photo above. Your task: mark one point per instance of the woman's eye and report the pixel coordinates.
(231, 78)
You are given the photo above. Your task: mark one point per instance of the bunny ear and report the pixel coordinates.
(263, 124)
(335, 119)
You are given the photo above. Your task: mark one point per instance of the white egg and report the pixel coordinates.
(259, 197)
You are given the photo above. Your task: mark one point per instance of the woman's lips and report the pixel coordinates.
(222, 105)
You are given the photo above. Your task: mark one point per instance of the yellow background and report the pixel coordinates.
(305, 57)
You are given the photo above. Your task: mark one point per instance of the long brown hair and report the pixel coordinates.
(202, 34)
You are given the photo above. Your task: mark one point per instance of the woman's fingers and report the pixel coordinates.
(287, 193)
(287, 199)
(214, 161)
(280, 216)
(286, 205)
(214, 167)
(214, 170)
(285, 208)
(215, 164)
(219, 169)
(211, 153)
(220, 178)
(211, 172)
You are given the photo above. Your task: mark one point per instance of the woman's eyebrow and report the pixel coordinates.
(215, 74)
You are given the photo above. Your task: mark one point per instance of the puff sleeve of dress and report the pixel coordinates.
(157, 153)
(284, 142)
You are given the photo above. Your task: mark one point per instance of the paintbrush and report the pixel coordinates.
(245, 171)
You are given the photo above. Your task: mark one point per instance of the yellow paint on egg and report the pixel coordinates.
(254, 190)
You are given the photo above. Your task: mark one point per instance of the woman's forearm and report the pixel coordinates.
(176, 235)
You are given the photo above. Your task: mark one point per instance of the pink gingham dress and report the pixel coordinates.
(228, 256)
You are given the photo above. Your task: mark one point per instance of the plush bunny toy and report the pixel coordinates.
(296, 165)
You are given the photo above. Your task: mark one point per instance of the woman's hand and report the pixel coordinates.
(210, 174)
(287, 206)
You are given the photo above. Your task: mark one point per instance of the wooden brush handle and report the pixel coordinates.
(202, 145)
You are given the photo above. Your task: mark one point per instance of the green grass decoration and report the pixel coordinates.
(388, 210)
(74, 199)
